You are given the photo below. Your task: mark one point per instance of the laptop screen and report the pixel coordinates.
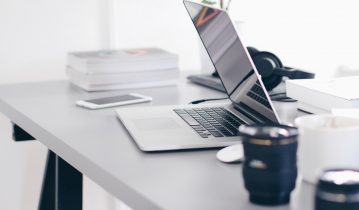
(232, 62)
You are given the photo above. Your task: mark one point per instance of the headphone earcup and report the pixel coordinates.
(266, 63)
(252, 51)
(271, 82)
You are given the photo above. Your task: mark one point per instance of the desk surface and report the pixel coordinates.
(96, 144)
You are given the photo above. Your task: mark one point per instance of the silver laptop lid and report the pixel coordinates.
(232, 62)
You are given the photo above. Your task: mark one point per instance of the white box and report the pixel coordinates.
(325, 94)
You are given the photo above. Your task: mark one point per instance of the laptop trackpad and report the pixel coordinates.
(159, 123)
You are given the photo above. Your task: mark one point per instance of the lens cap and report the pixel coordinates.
(341, 181)
(338, 189)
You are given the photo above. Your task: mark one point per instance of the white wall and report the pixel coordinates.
(316, 35)
(22, 166)
(319, 35)
(160, 23)
(35, 36)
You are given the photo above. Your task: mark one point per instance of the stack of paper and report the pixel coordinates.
(121, 69)
(323, 95)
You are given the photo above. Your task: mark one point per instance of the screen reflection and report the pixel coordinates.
(232, 62)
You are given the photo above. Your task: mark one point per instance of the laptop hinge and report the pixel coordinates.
(255, 116)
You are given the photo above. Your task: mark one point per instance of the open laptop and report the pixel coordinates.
(206, 126)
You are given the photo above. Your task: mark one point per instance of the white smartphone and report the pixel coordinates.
(120, 100)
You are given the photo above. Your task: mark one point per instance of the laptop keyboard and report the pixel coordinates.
(216, 122)
(258, 95)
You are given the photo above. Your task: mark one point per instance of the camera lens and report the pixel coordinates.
(338, 190)
(270, 162)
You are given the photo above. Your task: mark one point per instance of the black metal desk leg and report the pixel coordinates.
(18, 134)
(47, 197)
(62, 186)
(68, 186)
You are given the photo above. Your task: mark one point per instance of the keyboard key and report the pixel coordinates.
(189, 120)
(208, 126)
(216, 134)
(228, 134)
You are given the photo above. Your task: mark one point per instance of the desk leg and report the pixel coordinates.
(62, 186)
(47, 197)
(19, 134)
(68, 186)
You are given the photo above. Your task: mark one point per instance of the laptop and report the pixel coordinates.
(180, 127)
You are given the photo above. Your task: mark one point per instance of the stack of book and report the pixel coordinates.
(122, 69)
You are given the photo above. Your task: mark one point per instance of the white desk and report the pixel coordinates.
(96, 144)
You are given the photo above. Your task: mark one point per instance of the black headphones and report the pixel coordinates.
(272, 70)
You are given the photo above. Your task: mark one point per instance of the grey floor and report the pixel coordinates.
(22, 166)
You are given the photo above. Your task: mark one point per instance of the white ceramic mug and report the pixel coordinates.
(326, 142)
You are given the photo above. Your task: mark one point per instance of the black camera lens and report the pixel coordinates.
(270, 162)
(338, 190)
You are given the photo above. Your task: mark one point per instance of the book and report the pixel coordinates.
(117, 86)
(325, 94)
(123, 77)
(127, 60)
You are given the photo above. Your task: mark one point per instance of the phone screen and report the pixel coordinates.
(110, 100)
